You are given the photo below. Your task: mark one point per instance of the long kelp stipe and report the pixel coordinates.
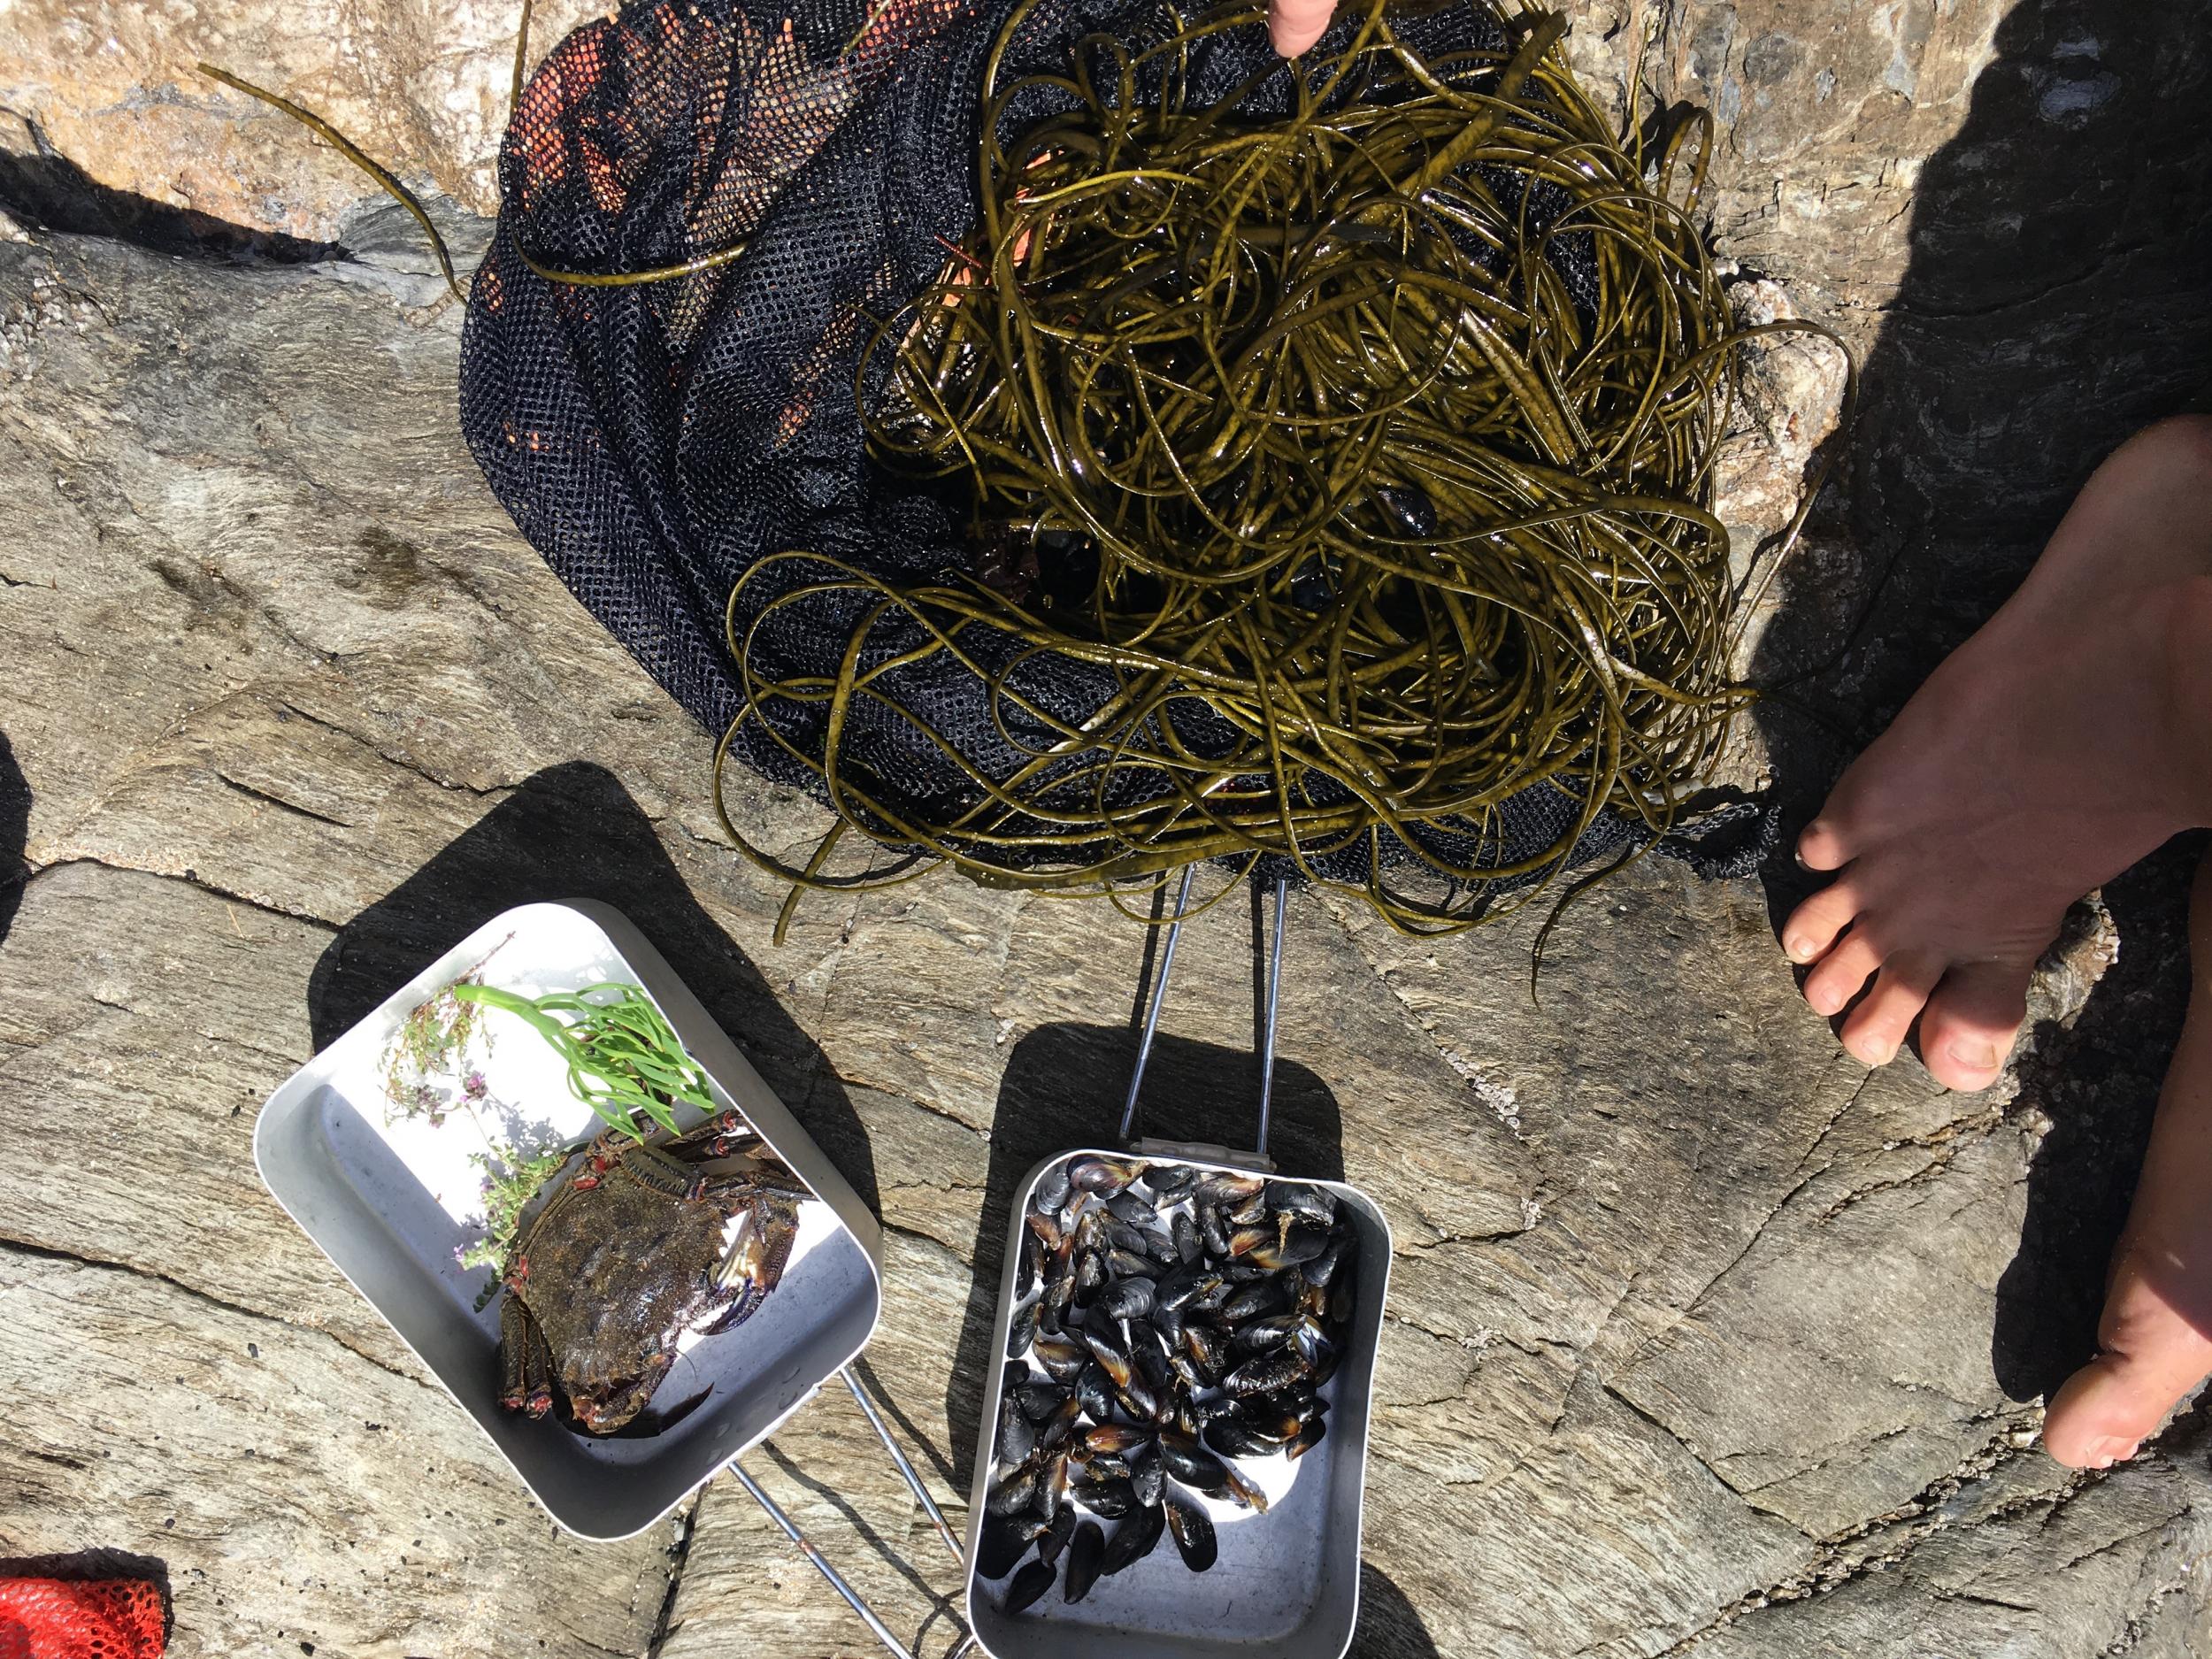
(1360, 452)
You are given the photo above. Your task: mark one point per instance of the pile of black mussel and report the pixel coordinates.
(1170, 1322)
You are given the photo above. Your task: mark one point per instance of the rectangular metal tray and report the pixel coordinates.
(387, 1202)
(1288, 1582)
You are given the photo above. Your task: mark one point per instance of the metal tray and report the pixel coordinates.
(387, 1202)
(1287, 1582)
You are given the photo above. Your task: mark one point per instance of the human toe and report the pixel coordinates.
(1971, 1022)
(1876, 1029)
(1813, 925)
(2150, 1356)
(1838, 976)
(1823, 845)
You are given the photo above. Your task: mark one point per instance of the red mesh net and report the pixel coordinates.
(103, 1618)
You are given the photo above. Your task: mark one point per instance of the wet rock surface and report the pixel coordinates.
(1700, 1337)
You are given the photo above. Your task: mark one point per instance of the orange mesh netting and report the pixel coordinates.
(101, 1618)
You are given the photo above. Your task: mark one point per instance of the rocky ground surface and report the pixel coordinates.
(1700, 1337)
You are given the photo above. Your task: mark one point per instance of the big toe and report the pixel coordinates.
(2151, 1357)
(1972, 1023)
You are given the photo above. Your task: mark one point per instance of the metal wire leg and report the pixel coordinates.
(906, 1469)
(1274, 1002)
(1159, 1000)
(821, 1562)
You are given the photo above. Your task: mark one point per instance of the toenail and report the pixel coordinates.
(1881, 1053)
(1974, 1054)
(1800, 949)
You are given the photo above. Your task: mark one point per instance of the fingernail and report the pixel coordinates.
(1975, 1053)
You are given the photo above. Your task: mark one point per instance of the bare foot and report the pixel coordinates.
(2069, 738)
(2154, 1343)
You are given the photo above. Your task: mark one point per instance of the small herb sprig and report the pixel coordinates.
(623, 1057)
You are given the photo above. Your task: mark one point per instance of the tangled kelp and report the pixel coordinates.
(1358, 454)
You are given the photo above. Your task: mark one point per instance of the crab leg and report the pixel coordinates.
(526, 1362)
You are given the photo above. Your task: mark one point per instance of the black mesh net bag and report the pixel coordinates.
(664, 443)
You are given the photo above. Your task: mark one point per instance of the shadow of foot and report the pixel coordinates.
(572, 832)
(15, 831)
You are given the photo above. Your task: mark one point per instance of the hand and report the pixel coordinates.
(1294, 24)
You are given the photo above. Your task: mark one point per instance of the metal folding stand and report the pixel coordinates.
(1271, 1007)
(837, 1580)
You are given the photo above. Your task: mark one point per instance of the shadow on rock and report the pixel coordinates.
(47, 191)
(1064, 1088)
(2058, 299)
(1388, 1627)
(15, 833)
(572, 832)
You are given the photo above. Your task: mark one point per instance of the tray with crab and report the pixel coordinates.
(568, 1192)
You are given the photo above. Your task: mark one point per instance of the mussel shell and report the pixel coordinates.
(1244, 1240)
(1298, 1246)
(1110, 1352)
(1326, 1266)
(1063, 1357)
(1016, 1433)
(1309, 1203)
(1260, 1336)
(1087, 1552)
(1184, 1283)
(1030, 1583)
(1039, 1400)
(1189, 1461)
(1014, 1493)
(1194, 1530)
(1268, 1374)
(1021, 1330)
(1112, 1497)
(1257, 1301)
(1051, 1190)
(1004, 1541)
(1013, 1377)
(1341, 1298)
(1140, 1401)
(1055, 1431)
(1115, 1437)
(1188, 1246)
(1090, 1272)
(1104, 1176)
(1128, 1207)
(1134, 1540)
(1052, 1486)
(1411, 513)
(1307, 1438)
(1213, 1230)
(1126, 1264)
(1147, 1476)
(1207, 1351)
(1029, 1264)
(1149, 1354)
(1239, 1488)
(1169, 1323)
(1095, 1390)
(1055, 1538)
(1169, 1181)
(1229, 1438)
(1244, 1214)
(1222, 1185)
(1105, 1466)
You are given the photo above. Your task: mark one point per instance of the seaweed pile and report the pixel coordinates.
(1356, 455)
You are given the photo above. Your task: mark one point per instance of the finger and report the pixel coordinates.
(1294, 24)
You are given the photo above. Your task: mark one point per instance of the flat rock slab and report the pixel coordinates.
(1700, 1335)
